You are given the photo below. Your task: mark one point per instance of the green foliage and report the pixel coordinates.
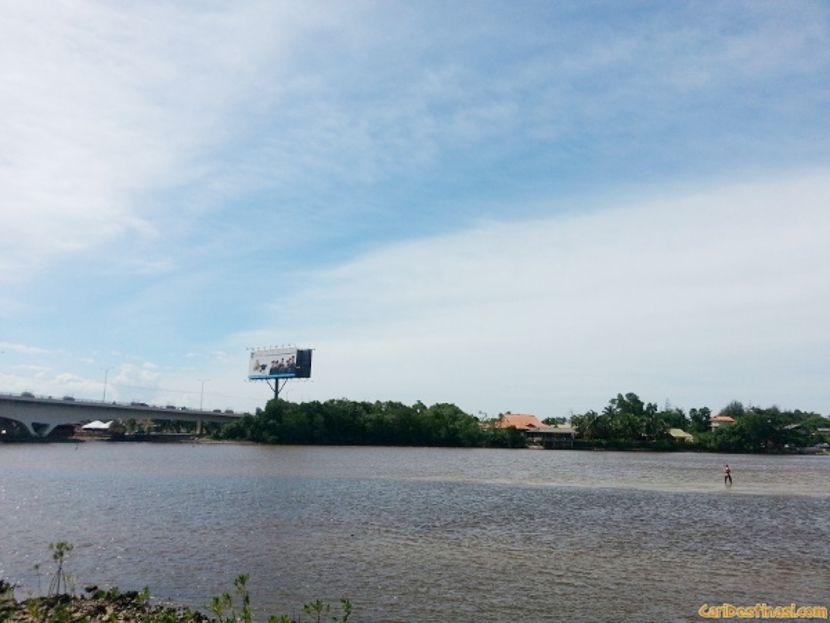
(629, 419)
(59, 552)
(61, 614)
(699, 419)
(346, 612)
(241, 585)
(629, 422)
(144, 595)
(505, 438)
(111, 606)
(221, 605)
(347, 422)
(763, 430)
(734, 410)
(34, 610)
(6, 599)
(36, 568)
(6, 590)
(317, 609)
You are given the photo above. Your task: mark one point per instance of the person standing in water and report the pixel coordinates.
(727, 475)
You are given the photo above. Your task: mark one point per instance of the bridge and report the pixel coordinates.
(40, 416)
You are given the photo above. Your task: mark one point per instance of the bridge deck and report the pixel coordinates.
(48, 413)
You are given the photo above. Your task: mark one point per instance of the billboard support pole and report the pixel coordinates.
(277, 387)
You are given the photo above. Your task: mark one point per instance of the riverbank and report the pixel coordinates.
(96, 606)
(99, 606)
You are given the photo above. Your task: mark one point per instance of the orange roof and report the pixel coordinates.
(519, 421)
(721, 418)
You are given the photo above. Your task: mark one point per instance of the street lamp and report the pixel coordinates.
(106, 372)
(202, 393)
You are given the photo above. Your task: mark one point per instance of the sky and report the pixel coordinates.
(508, 206)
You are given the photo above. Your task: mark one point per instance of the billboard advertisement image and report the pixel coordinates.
(279, 363)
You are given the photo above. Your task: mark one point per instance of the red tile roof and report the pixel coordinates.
(519, 421)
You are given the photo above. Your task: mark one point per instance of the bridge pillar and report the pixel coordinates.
(28, 426)
(36, 429)
(47, 428)
(199, 427)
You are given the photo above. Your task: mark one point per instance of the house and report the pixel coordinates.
(720, 420)
(680, 435)
(536, 433)
(519, 422)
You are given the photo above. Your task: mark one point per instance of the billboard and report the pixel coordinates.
(279, 363)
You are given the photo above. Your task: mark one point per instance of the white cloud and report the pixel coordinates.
(44, 381)
(100, 107)
(699, 297)
(22, 349)
(126, 382)
(33, 369)
(145, 375)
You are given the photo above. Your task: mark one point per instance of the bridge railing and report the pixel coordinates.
(137, 406)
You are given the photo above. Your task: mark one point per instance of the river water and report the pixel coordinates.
(424, 535)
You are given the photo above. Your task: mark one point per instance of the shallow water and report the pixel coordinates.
(412, 534)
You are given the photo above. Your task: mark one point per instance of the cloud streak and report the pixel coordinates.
(22, 349)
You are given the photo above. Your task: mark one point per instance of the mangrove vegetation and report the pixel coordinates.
(346, 422)
(626, 422)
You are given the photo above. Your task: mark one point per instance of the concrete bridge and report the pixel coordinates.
(41, 416)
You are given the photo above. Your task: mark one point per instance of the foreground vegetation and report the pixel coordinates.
(62, 605)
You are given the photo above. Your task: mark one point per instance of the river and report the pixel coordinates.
(420, 534)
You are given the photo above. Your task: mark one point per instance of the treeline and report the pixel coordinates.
(628, 421)
(763, 429)
(346, 422)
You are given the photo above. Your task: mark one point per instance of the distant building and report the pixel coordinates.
(678, 434)
(97, 428)
(720, 420)
(536, 433)
(519, 421)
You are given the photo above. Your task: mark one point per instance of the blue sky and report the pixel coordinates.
(509, 206)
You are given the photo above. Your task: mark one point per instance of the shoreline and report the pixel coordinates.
(97, 605)
(186, 438)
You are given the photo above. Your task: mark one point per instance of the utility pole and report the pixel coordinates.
(202, 393)
(106, 372)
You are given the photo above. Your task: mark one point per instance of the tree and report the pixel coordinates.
(734, 409)
(59, 552)
(700, 419)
